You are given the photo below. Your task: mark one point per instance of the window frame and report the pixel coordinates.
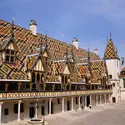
(9, 53)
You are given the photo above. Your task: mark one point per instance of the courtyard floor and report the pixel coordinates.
(105, 114)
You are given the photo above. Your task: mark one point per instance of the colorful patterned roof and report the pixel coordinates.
(111, 52)
(28, 44)
(96, 70)
(122, 73)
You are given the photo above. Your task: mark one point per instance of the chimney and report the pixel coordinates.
(75, 43)
(96, 51)
(33, 27)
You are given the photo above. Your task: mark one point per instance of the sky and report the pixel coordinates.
(91, 21)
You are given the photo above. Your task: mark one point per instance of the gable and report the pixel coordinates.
(45, 54)
(66, 70)
(39, 65)
(10, 46)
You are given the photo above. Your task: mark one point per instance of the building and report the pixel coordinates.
(41, 76)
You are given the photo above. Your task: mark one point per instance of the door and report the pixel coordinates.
(42, 110)
(68, 105)
(32, 112)
(88, 101)
(113, 99)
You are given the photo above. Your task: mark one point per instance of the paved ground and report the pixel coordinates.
(105, 114)
(101, 115)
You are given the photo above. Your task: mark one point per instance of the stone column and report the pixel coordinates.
(36, 106)
(50, 100)
(109, 97)
(100, 99)
(105, 98)
(0, 111)
(72, 103)
(19, 103)
(85, 101)
(79, 108)
(90, 99)
(63, 104)
(97, 101)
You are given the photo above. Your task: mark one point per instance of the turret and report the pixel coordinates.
(33, 27)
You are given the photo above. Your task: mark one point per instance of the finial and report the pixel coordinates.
(41, 48)
(66, 53)
(107, 39)
(46, 39)
(12, 28)
(88, 55)
(110, 35)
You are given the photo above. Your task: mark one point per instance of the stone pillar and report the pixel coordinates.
(19, 103)
(85, 101)
(50, 100)
(109, 97)
(79, 108)
(90, 99)
(63, 104)
(100, 99)
(0, 111)
(36, 106)
(72, 104)
(105, 98)
(97, 101)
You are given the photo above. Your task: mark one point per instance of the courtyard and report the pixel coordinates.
(105, 114)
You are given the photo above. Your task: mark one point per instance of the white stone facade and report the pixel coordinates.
(113, 67)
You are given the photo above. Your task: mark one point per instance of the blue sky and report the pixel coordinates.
(91, 21)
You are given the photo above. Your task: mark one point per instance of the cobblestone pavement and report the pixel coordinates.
(106, 114)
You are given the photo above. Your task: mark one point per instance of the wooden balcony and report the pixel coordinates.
(38, 94)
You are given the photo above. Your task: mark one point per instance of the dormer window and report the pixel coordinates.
(10, 56)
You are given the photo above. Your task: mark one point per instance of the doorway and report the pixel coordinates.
(68, 105)
(43, 110)
(32, 112)
(88, 101)
(113, 99)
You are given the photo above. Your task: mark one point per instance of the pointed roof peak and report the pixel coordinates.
(111, 51)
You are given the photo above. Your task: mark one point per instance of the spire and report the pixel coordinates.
(66, 54)
(41, 48)
(88, 56)
(12, 28)
(110, 36)
(111, 52)
(46, 40)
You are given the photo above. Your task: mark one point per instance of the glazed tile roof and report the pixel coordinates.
(111, 52)
(122, 73)
(96, 70)
(28, 44)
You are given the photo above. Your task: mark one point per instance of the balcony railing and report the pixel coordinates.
(46, 94)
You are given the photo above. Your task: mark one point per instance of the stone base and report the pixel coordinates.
(35, 122)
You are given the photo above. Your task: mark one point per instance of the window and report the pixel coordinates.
(110, 76)
(65, 79)
(6, 111)
(113, 84)
(45, 60)
(123, 83)
(10, 56)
